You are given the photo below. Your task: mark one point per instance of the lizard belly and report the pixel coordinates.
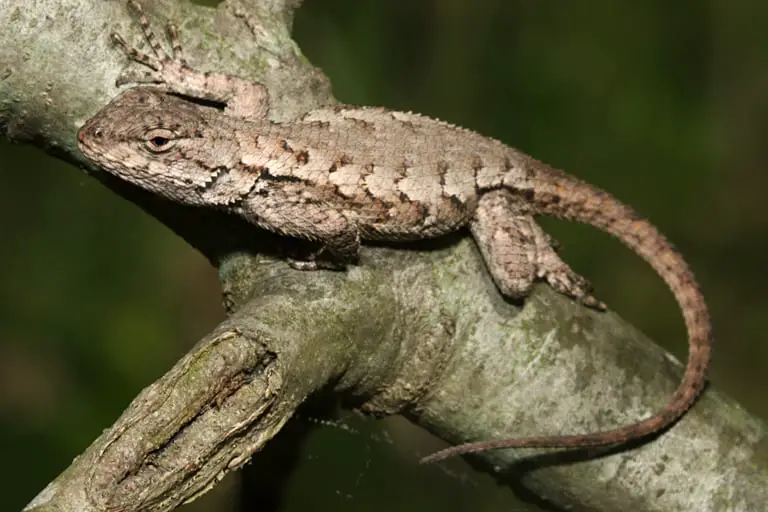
(411, 220)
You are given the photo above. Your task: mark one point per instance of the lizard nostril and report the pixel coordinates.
(89, 133)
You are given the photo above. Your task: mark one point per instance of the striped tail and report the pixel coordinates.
(567, 198)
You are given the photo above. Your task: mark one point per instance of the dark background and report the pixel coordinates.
(662, 103)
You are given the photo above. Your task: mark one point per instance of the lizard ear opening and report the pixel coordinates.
(159, 140)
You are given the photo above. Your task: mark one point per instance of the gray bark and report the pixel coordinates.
(421, 332)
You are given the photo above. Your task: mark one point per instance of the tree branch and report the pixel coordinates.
(420, 331)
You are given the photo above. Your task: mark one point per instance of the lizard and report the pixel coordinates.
(341, 174)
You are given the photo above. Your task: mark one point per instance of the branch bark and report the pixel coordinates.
(421, 332)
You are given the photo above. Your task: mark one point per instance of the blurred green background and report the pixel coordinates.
(664, 104)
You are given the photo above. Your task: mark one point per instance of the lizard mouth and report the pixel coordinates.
(86, 133)
(89, 138)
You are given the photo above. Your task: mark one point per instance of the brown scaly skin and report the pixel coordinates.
(343, 174)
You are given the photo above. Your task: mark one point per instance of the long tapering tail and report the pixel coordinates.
(564, 197)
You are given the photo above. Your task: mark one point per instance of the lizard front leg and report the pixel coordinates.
(243, 98)
(308, 217)
(517, 251)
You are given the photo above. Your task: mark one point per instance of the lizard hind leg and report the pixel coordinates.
(517, 251)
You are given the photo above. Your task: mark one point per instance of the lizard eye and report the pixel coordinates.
(160, 140)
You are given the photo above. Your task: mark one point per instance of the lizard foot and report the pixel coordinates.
(242, 98)
(517, 252)
(316, 259)
(564, 280)
(315, 264)
(163, 68)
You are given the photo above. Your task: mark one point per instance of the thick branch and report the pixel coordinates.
(420, 332)
(232, 393)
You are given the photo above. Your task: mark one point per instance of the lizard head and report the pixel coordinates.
(161, 143)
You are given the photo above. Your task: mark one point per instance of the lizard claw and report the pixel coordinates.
(150, 36)
(302, 264)
(315, 264)
(165, 69)
(133, 53)
(177, 53)
(566, 281)
(242, 98)
(314, 261)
